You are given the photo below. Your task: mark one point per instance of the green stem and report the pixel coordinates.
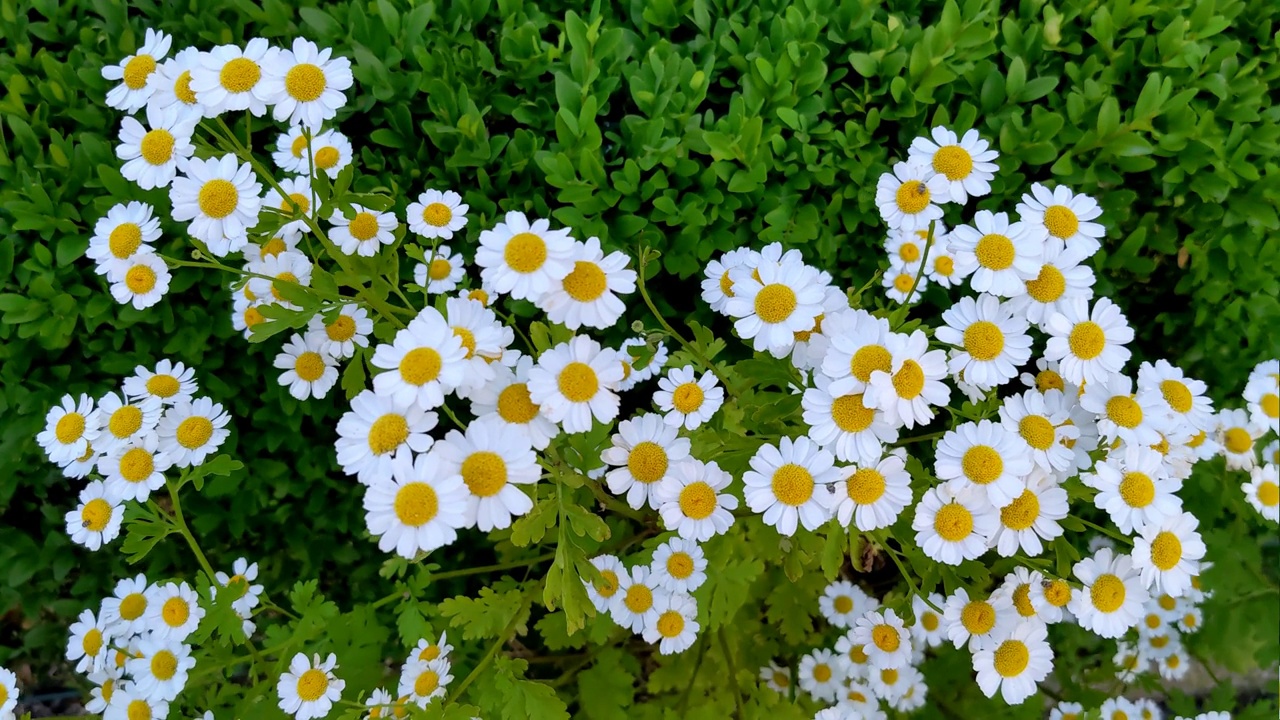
(920, 438)
(693, 676)
(488, 657)
(181, 524)
(695, 352)
(928, 243)
(882, 538)
(175, 262)
(1106, 531)
(733, 672)
(528, 562)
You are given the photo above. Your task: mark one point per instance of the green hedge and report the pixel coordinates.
(693, 126)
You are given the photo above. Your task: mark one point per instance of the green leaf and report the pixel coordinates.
(606, 690)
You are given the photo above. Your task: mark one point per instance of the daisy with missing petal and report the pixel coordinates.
(69, 428)
(132, 471)
(573, 384)
(1016, 664)
(692, 501)
(170, 382)
(493, 460)
(1263, 491)
(1061, 278)
(296, 200)
(247, 595)
(375, 429)
(128, 704)
(229, 78)
(422, 681)
(1168, 554)
(1065, 216)
(990, 340)
(844, 424)
(1113, 595)
(679, 566)
(641, 361)
(902, 282)
(154, 153)
(891, 684)
(674, 624)
(124, 232)
(842, 603)
(781, 484)
(588, 295)
(417, 508)
(953, 526)
(907, 196)
(871, 495)
(644, 450)
(309, 689)
(364, 232)
(978, 623)
(775, 301)
(913, 386)
(305, 84)
(998, 256)
(967, 163)
(437, 215)
(1263, 397)
(338, 335)
(440, 271)
(984, 456)
(1032, 517)
(688, 400)
(307, 371)
(89, 643)
(885, 639)
(1041, 420)
(930, 627)
(524, 259)
(821, 675)
(601, 594)
(856, 697)
(1088, 343)
(173, 611)
(425, 361)
(1134, 488)
(632, 606)
(507, 399)
(1238, 433)
(776, 677)
(290, 154)
(171, 85)
(221, 199)
(717, 285)
(96, 521)
(134, 72)
(331, 153)
(160, 669)
(1134, 419)
(141, 282)
(1047, 377)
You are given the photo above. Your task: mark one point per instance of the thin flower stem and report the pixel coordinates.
(733, 673)
(488, 656)
(920, 438)
(882, 537)
(689, 347)
(928, 243)
(693, 675)
(175, 262)
(1115, 535)
(181, 524)
(528, 562)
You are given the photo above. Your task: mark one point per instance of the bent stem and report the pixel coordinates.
(689, 347)
(181, 524)
(928, 243)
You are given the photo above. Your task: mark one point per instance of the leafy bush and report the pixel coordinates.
(686, 127)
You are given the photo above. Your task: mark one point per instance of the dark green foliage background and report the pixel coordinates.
(693, 126)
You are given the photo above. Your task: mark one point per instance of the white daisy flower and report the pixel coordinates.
(229, 78)
(310, 689)
(967, 163)
(856, 700)
(424, 362)
(1113, 595)
(843, 424)
(811, 345)
(437, 215)
(1263, 491)
(89, 643)
(134, 470)
(96, 520)
(953, 526)
(481, 334)
(307, 371)
(1156, 646)
(1130, 661)
(891, 684)
(171, 85)
(1118, 709)
(1088, 343)
(1263, 397)
(134, 72)
(782, 484)
(440, 271)
(422, 681)
(632, 606)
(105, 680)
(673, 624)
(687, 400)
(1204, 444)
(871, 495)
(375, 429)
(331, 153)
(906, 247)
(377, 705)
(776, 677)
(978, 623)
(1064, 215)
(885, 639)
(906, 196)
(913, 386)
(305, 85)
(644, 451)
(364, 233)
(1134, 488)
(903, 282)
(717, 286)
(941, 268)
(1191, 620)
(125, 231)
(78, 468)
(290, 154)
(852, 657)
(990, 340)
(220, 197)
(588, 295)
(1061, 279)
(1067, 711)
(506, 398)
(998, 256)
(296, 200)
(1042, 421)
(640, 361)
(1135, 419)
(984, 456)
(1032, 517)
(124, 610)
(573, 384)
(243, 574)
(1016, 664)
(141, 282)
(173, 611)
(160, 669)
(842, 603)
(128, 704)
(930, 627)
(1168, 554)
(279, 242)
(245, 316)
(1271, 453)
(691, 500)
(611, 570)
(1017, 585)
(914, 696)
(1175, 665)
(821, 675)
(170, 382)
(192, 430)
(493, 460)
(153, 154)
(427, 651)
(338, 335)
(774, 301)
(858, 347)
(1238, 433)
(679, 566)
(69, 428)
(524, 259)
(1047, 377)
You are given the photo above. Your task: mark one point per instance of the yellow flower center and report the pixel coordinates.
(298, 146)
(157, 146)
(929, 621)
(647, 462)
(1058, 593)
(909, 380)
(175, 612)
(978, 617)
(439, 269)
(1176, 395)
(1173, 661)
(953, 522)
(363, 226)
(1159, 641)
(1269, 494)
(108, 689)
(586, 282)
(889, 676)
(850, 414)
(429, 653)
(1167, 602)
(327, 157)
(869, 359)
(309, 366)
(904, 282)
(437, 215)
(944, 265)
(163, 386)
(885, 637)
(295, 202)
(312, 685)
(670, 624)
(479, 295)
(164, 665)
(1152, 621)
(342, 329)
(92, 642)
(137, 70)
(1137, 490)
(485, 473)
(687, 398)
(252, 316)
(1087, 340)
(182, 88)
(638, 598)
(426, 683)
(514, 404)
(822, 672)
(775, 303)
(1022, 512)
(1237, 440)
(420, 366)
(858, 655)
(218, 198)
(1011, 658)
(1107, 593)
(953, 161)
(982, 464)
(138, 710)
(304, 82)
(468, 339)
(70, 428)
(95, 515)
(995, 252)
(865, 486)
(125, 240)
(1022, 600)
(416, 504)
(1037, 431)
(525, 252)
(1124, 411)
(1049, 286)
(132, 606)
(726, 285)
(1166, 551)
(239, 75)
(909, 252)
(578, 382)
(1047, 380)
(697, 500)
(984, 340)
(387, 433)
(792, 485)
(140, 279)
(912, 197)
(1061, 221)
(679, 565)
(1270, 404)
(843, 604)
(610, 585)
(136, 465)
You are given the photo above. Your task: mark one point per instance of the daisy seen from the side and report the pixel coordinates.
(295, 200)
(171, 84)
(611, 570)
(717, 284)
